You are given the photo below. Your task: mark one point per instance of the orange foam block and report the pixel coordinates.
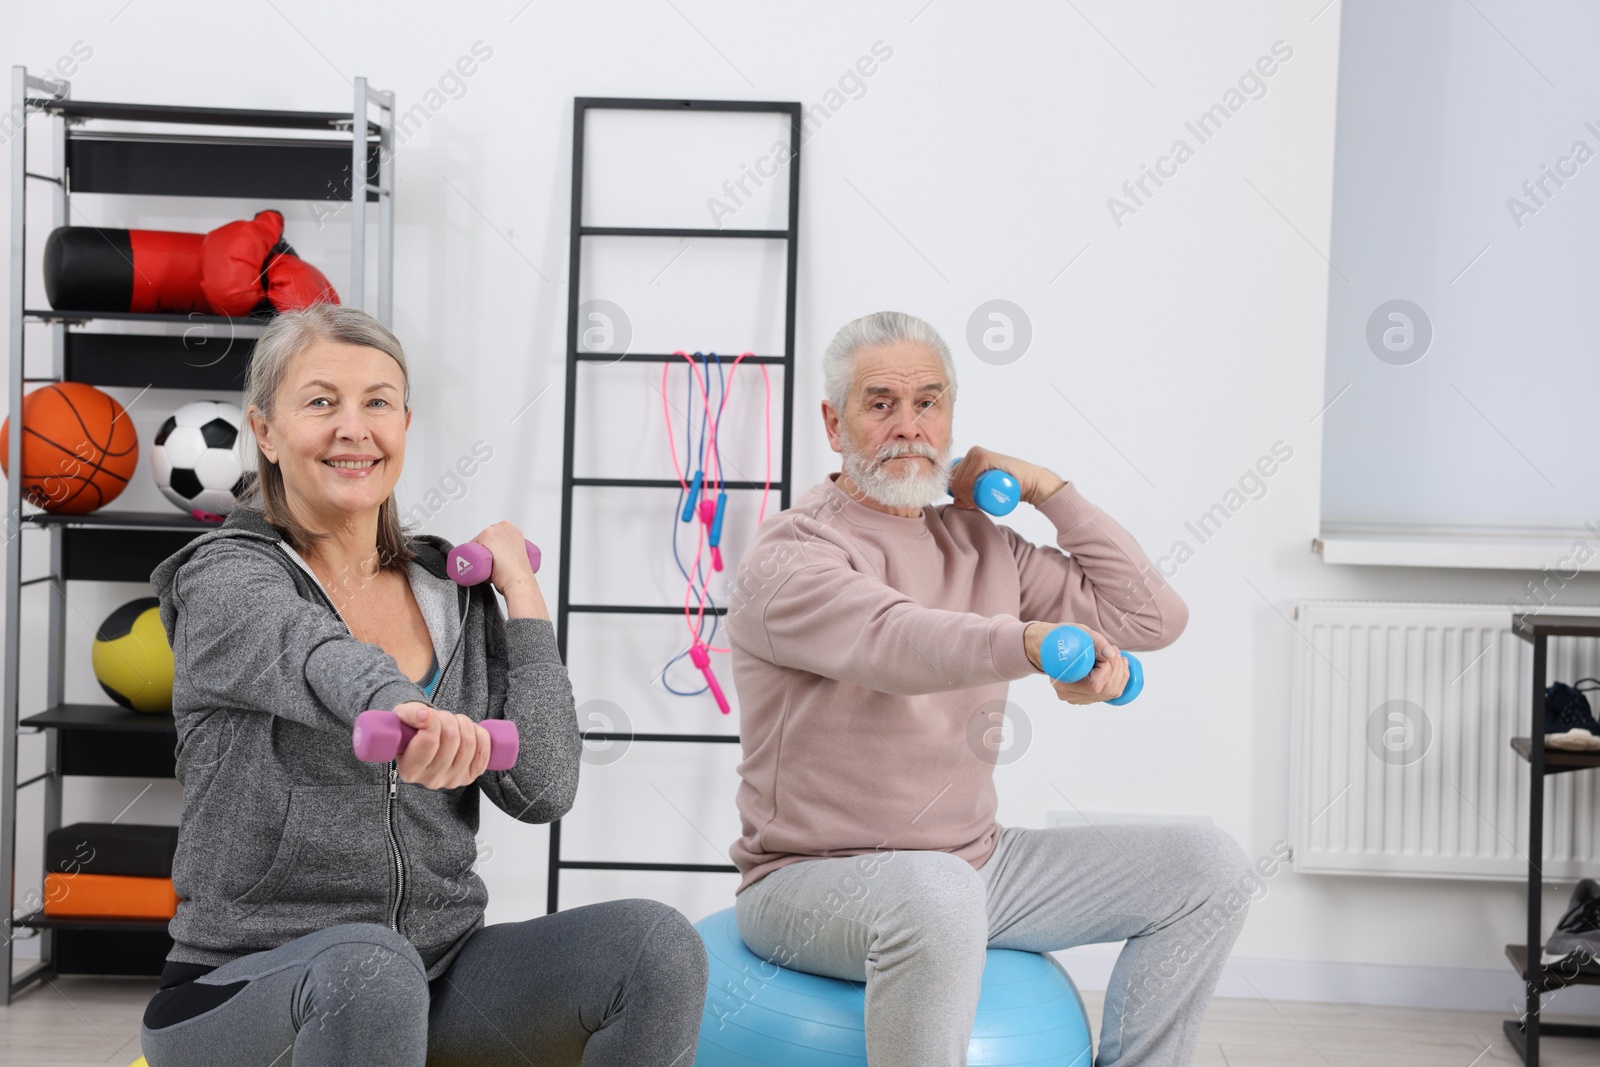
(109, 896)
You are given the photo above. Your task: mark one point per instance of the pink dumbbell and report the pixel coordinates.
(380, 736)
(471, 563)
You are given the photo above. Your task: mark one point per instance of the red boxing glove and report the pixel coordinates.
(247, 267)
(292, 283)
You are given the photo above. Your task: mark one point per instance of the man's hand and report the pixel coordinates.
(1035, 482)
(1105, 682)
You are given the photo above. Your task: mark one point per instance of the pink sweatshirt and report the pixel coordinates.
(866, 644)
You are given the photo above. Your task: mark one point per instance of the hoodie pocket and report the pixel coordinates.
(330, 850)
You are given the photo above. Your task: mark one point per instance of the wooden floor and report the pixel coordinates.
(74, 1022)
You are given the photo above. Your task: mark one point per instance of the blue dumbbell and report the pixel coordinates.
(995, 491)
(1067, 655)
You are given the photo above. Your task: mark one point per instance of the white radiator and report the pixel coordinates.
(1376, 682)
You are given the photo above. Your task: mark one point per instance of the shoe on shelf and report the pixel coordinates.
(1575, 942)
(1568, 722)
(1573, 741)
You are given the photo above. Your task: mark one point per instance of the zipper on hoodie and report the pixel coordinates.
(394, 845)
(394, 781)
(394, 784)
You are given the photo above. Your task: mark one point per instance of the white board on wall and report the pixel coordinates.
(1462, 425)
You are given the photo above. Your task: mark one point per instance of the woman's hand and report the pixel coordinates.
(511, 573)
(1105, 681)
(449, 750)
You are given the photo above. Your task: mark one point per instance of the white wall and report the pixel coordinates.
(977, 164)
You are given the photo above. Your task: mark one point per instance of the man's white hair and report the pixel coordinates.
(878, 328)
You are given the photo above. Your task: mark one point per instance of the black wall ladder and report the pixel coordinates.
(564, 606)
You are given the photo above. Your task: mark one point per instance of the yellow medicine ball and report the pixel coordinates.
(132, 659)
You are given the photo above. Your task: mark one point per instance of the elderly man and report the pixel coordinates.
(873, 637)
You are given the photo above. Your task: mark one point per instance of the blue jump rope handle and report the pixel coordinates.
(694, 495)
(716, 523)
(1067, 655)
(995, 492)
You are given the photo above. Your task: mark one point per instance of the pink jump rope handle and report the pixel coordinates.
(380, 736)
(708, 515)
(702, 659)
(471, 563)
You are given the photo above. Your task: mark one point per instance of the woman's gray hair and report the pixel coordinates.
(288, 335)
(879, 328)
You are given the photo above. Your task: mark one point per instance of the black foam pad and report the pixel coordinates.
(111, 848)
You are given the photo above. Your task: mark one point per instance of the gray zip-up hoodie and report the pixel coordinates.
(284, 831)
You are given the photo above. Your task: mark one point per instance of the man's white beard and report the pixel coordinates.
(911, 491)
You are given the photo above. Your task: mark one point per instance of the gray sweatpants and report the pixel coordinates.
(619, 984)
(914, 927)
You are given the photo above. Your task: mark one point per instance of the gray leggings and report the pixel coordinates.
(914, 927)
(619, 984)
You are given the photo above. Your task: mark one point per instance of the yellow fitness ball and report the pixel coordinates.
(132, 659)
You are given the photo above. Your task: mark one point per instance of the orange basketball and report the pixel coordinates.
(79, 448)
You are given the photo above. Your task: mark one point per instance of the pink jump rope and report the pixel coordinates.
(698, 504)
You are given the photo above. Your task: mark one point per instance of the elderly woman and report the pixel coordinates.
(331, 913)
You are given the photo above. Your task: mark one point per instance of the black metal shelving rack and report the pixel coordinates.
(192, 152)
(564, 606)
(1524, 1032)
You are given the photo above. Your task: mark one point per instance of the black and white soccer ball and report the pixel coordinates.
(197, 458)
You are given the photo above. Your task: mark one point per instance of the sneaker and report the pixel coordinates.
(1575, 943)
(1568, 722)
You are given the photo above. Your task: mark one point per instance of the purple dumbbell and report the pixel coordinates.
(380, 736)
(471, 563)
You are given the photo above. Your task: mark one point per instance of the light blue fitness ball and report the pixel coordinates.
(761, 1015)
